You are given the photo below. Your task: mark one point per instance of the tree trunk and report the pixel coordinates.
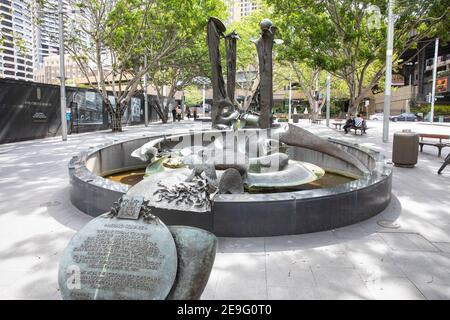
(115, 115)
(116, 121)
(312, 106)
(354, 105)
(163, 115)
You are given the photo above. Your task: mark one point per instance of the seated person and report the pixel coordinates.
(349, 123)
(359, 121)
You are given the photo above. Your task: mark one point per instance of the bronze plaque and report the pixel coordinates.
(119, 259)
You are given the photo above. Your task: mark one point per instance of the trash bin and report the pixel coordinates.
(295, 117)
(405, 150)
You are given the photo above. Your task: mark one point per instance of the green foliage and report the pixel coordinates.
(343, 38)
(192, 95)
(125, 32)
(443, 73)
(425, 108)
(150, 28)
(190, 60)
(335, 109)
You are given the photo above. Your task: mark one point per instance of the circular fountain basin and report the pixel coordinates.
(250, 214)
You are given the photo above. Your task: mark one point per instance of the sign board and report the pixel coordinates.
(441, 85)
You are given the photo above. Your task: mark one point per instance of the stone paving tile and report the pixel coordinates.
(353, 232)
(435, 233)
(340, 284)
(303, 241)
(435, 291)
(443, 246)
(36, 286)
(424, 268)
(284, 269)
(407, 241)
(334, 256)
(240, 276)
(372, 243)
(372, 266)
(394, 288)
(241, 245)
(10, 274)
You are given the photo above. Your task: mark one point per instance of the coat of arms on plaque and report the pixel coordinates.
(130, 207)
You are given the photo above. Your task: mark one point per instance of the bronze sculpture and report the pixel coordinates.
(223, 111)
(264, 46)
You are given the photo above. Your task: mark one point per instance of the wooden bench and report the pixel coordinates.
(282, 117)
(440, 145)
(338, 123)
(362, 128)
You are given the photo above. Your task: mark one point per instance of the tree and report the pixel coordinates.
(348, 37)
(178, 72)
(109, 40)
(311, 81)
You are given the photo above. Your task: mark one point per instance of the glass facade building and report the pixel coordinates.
(16, 49)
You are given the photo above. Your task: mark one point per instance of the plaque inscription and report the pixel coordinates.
(119, 259)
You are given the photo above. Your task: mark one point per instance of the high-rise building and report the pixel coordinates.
(48, 72)
(46, 31)
(30, 33)
(16, 49)
(240, 8)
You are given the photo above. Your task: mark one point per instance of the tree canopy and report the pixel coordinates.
(348, 37)
(111, 39)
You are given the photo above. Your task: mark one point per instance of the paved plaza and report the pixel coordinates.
(403, 253)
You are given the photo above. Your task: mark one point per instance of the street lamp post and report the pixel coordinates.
(328, 98)
(203, 81)
(433, 89)
(204, 98)
(389, 54)
(290, 96)
(145, 94)
(62, 72)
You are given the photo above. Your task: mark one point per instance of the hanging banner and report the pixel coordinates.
(441, 85)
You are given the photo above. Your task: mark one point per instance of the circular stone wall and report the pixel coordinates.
(245, 215)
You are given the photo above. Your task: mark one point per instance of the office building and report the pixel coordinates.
(16, 49)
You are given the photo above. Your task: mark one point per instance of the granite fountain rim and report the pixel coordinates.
(383, 169)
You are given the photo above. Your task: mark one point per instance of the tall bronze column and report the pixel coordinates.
(231, 46)
(215, 31)
(264, 46)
